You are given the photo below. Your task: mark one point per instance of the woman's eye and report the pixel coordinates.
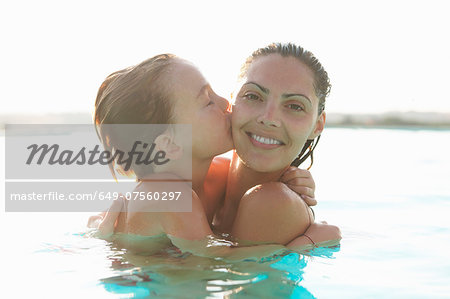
(295, 107)
(210, 103)
(251, 96)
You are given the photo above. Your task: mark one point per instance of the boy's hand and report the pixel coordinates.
(301, 182)
(105, 222)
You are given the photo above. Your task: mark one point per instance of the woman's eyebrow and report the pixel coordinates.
(296, 95)
(263, 89)
(266, 90)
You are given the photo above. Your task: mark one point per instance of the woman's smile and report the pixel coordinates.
(264, 141)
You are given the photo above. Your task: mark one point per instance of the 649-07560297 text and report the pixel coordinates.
(58, 196)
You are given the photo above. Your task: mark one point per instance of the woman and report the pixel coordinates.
(278, 112)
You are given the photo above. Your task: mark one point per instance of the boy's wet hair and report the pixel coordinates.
(138, 94)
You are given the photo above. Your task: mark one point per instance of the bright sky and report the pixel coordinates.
(380, 55)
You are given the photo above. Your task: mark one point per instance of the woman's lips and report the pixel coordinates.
(264, 142)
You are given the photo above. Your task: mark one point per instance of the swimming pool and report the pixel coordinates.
(387, 189)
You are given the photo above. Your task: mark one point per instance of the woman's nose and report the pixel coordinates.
(269, 116)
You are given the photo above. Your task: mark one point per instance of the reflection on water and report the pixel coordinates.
(388, 191)
(173, 275)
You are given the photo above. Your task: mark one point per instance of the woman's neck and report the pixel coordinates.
(241, 178)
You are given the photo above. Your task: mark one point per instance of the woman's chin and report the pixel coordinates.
(262, 166)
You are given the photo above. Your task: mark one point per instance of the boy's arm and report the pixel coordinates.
(105, 221)
(301, 182)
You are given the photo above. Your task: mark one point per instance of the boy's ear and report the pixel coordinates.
(166, 143)
(320, 124)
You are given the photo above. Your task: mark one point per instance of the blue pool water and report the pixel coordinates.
(388, 190)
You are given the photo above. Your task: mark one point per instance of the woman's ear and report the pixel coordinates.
(166, 143)
(320, 124)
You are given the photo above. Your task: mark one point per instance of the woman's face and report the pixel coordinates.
(275, 112)
(196, 103)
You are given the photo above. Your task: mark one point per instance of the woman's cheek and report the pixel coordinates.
(240, 115)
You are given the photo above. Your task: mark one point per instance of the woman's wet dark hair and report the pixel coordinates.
(322, 84)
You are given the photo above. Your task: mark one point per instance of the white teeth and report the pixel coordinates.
(265, 140)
